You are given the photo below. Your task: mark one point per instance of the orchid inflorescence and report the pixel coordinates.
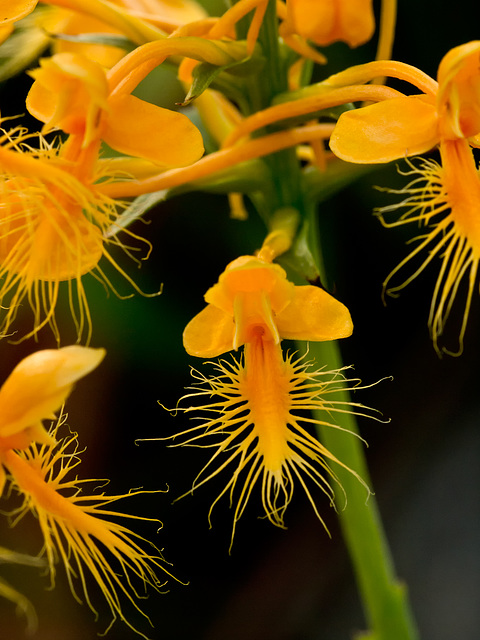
(101, 157)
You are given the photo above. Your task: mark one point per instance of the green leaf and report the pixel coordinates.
(205, 73)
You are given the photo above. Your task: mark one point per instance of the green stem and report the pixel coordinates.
(384, 598)
(283, 165)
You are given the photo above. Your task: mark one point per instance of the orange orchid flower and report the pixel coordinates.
(76, 527)
(71, 93)
(442, 199)
(412, 125)
(255, 406)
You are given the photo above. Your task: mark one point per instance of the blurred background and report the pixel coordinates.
(295, 584)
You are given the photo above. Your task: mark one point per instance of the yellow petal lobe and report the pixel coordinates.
(386, 131)
(209, 333)
(138, 128)
(39, 385)
(315, 315)
(14, 10)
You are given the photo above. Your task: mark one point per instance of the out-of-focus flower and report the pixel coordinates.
(37, 388)
(38, 465)
(327, 21)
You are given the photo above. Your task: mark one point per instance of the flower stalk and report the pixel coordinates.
(384, 596)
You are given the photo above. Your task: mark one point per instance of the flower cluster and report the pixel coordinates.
(253, 126)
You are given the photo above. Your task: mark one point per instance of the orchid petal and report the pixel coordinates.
(16, 10)
(386, 131)
(139, 128)
(39, 385)
(209, 333)
(315, 315)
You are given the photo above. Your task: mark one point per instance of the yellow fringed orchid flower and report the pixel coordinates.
(442, 200)
(72, 93)
(53, 219)
(256, 407)
(411, 125)
(38, 465)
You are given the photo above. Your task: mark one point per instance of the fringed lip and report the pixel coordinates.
(254, 412)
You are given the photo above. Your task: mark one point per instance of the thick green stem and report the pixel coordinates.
(384, 598)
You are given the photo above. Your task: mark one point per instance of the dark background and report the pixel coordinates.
(295, 584)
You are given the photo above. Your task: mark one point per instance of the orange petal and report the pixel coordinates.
(459, 92)
(386, 131)
(5, 32)
(139, 128)
(40, 384)
(249, 274)
(209, 333)
(14, 10)
(350, 21)
(314, 315)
